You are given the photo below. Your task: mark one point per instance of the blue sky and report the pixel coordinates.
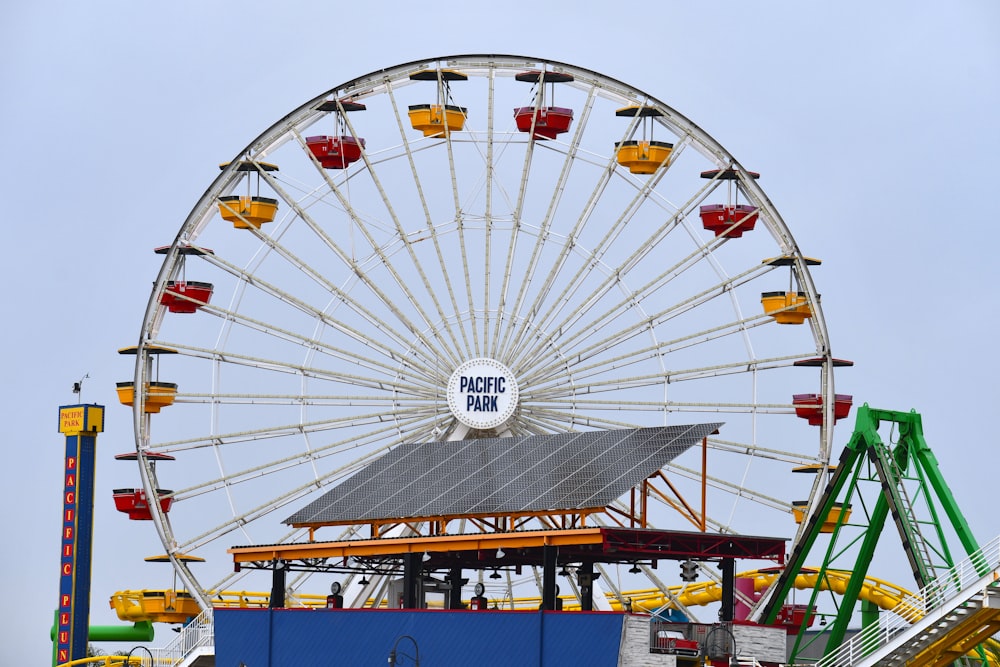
(874, 126)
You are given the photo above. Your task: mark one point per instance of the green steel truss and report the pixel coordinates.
(877, 479)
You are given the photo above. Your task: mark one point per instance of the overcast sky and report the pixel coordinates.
(874, 124)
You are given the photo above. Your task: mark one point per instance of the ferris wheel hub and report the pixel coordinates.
(482, 393)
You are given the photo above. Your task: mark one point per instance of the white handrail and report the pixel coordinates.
(198, 633)
(943, 594)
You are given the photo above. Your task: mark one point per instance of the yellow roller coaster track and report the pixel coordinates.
(104, 661)
(167, 606)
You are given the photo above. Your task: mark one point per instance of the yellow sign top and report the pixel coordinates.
(75, 419)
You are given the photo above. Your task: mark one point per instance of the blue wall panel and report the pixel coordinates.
(580, 638)
(361, 637)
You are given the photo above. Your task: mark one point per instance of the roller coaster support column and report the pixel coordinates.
(80, 424)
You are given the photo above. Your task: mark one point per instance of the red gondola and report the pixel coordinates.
(721, 218)
(186, 296)
(549, 121)
(335, 152)
(810, 407)
(134, 503)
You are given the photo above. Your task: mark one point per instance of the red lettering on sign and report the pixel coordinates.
(67, 569)
(65, 600)
(68, 533)
(63, 637)
(68, 515)
(64, 618)
(70, 498)
(63, 655)
(70, 463)
(70, 480)
(68, 550)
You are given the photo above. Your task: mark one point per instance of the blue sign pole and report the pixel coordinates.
(80, 424)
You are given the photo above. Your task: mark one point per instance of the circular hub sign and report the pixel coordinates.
(482, 393)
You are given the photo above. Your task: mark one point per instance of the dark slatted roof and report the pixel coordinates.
(489, 477)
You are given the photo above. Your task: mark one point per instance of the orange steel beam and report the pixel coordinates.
(501, 522)
(642, 503)
(681, 505)
(613, 511)
(704, 483)
(416, 544)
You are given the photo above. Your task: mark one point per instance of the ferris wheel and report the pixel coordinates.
(598, 255)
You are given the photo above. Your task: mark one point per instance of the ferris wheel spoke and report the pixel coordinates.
(732, 368)
(459, 215)
(559, 383)
(501, 335)
(573, 327)
(515, 334)
(791, 458)
(541, 425)
(560, 370)
(269, 505)
(488, 187)
(540, 403)
(453, 349)
(241, 521)
(674, 219)
(234, 439)
(574, 389)
(314, 344)
(547, 404)
(428, 404)
(378, 324)
(731, 488)
(593, 258)
(607, 318)
(234, 359)
(448, 281)
(376, 248)
(535, 313)
(504, 287)
(248, 475)
(569, 418)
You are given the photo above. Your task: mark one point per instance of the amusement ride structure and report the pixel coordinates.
(522, 257)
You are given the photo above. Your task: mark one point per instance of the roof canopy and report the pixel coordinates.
(480, 550)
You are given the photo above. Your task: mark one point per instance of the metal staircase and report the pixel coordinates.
(948, 618)
(891, 475)
(193, 647)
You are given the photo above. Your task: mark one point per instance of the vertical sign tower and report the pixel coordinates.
(80, 424)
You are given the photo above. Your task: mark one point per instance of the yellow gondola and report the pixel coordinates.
(643, 157)
(786, 307)
(158, 395)
(246, 212)
(829, 521)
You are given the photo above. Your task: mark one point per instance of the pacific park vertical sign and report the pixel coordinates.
(80, 424)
